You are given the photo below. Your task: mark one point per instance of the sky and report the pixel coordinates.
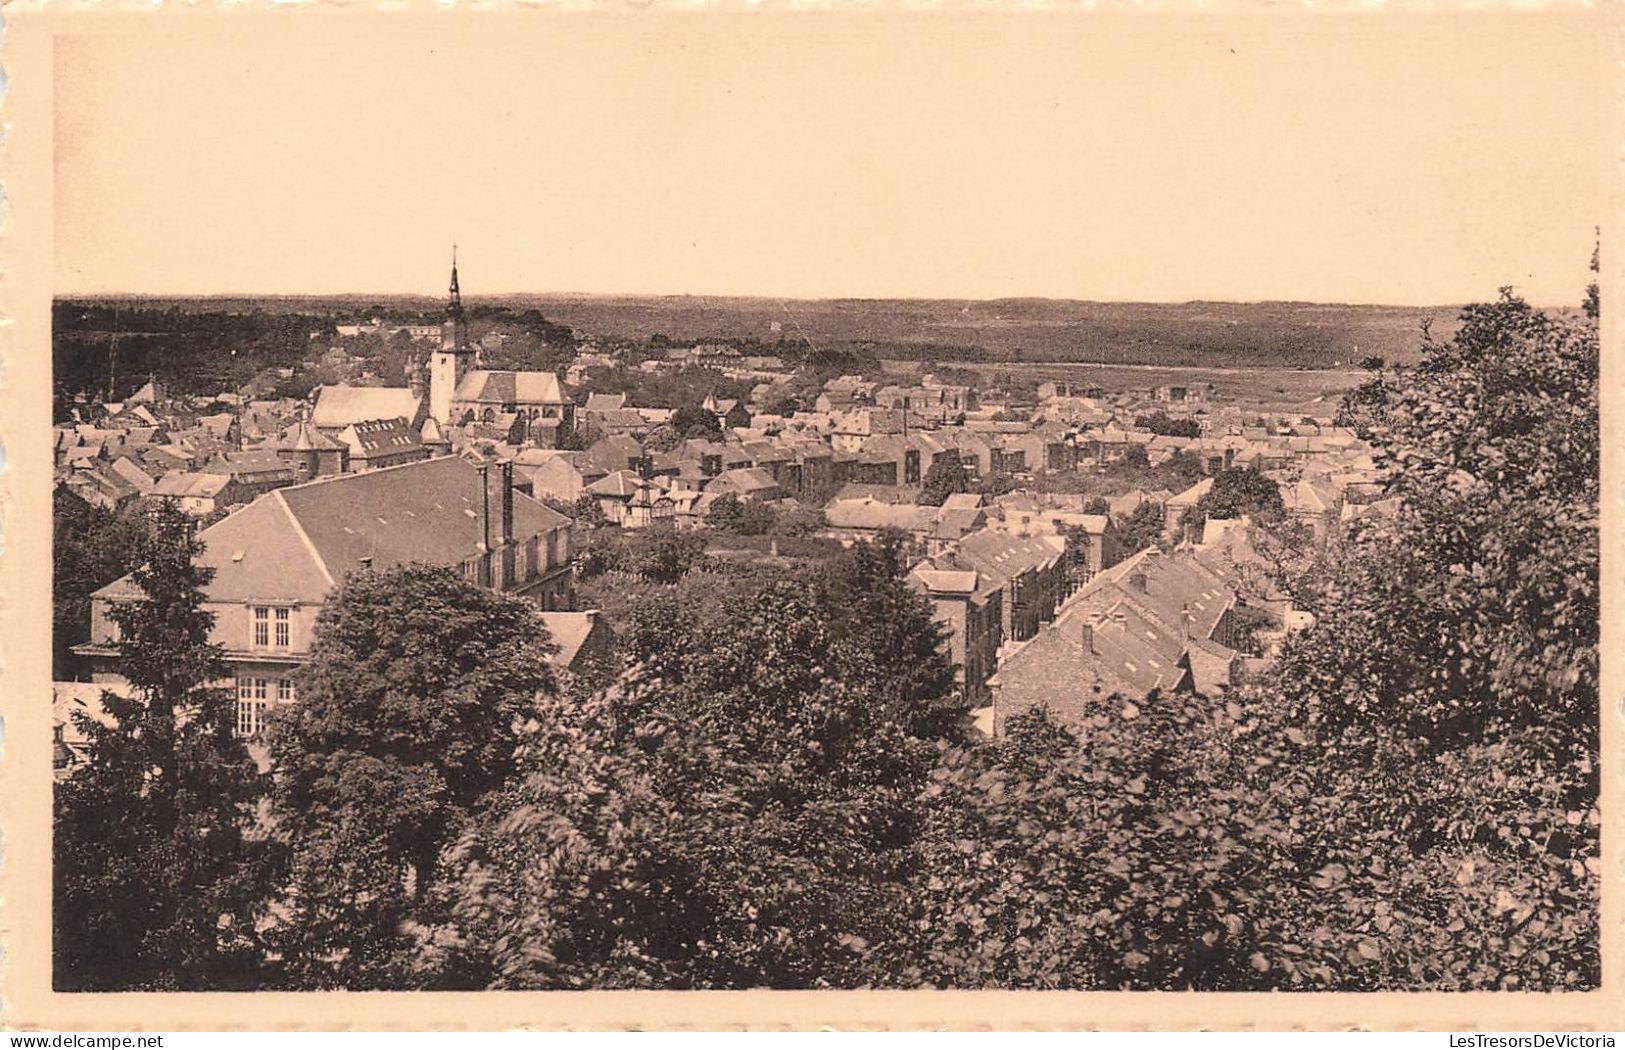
(1415, 159)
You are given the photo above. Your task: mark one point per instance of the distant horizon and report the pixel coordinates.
(469, 297)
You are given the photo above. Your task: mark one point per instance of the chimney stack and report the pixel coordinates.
(507, 502)
(1185, 619)
(1090, 624)
(485, 505)
(1137, 581)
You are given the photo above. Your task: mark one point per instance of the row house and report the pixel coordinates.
(197, 494)
(748, 484)
(254, 472)
(811, 468)
(1031, 570)
(552, 474)
(968, 606)
(276, 561)
(851, 521)
(1153, 624)
(311, 453)
(631, 501)
(100, 487)
(1067, 388)
(375, 444)
(1091, 540)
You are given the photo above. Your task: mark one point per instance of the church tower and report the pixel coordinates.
(452, 361)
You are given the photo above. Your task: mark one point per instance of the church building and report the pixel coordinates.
(460, 391)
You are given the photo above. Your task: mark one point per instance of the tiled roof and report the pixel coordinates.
(339, 406)
(622, 483)
(380, 437)
(295, 543)
(746, 479)
(304, 437)
(872, 514)
(183, 483)
(1001, 555)
(569, 632)
(508, 388)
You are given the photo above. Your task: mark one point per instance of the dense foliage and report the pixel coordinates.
(1162, 423)
(1238, 492)
(157, 880)
(946, 477)
(736, 812)
(405, 720)
(90, 548)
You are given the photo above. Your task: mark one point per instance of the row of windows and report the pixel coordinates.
(262, 627)
(254, 696)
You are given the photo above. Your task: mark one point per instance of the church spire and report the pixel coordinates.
(455, 306)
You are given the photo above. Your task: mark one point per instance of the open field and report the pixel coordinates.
(1200, 334)
(1292, 335)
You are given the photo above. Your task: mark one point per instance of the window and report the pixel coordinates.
(262, 625)
(252, 706)
(282, 618)
(284, 691)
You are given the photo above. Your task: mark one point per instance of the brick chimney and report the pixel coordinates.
(1091, 623)
(485, 507)
(507, 503)
(1137, 581)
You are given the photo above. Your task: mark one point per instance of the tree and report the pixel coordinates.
(1237, 491)
(1143, 528)
(946, 477)
(1454, 662)
(157, 878)
(1592, 304)
(1478, 603)
(588, 511)
(569, 439)
(405, 722)
(693, 421)
(997, 483)
(734, 813)
(90, 548)
(725, 513)
(662, 554)
(1161, 422)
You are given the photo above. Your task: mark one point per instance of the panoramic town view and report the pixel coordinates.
(454, 638)
(491, 650)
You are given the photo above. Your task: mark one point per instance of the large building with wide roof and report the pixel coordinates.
(276, 561)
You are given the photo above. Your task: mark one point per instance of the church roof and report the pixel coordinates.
(338, 406)
(511, 388)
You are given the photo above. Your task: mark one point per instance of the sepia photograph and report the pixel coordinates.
(648, 500)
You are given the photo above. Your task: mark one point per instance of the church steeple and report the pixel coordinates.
(454, 331)
(454, 308)
(449, 364)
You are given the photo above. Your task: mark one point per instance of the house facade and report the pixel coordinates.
(276, 561)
